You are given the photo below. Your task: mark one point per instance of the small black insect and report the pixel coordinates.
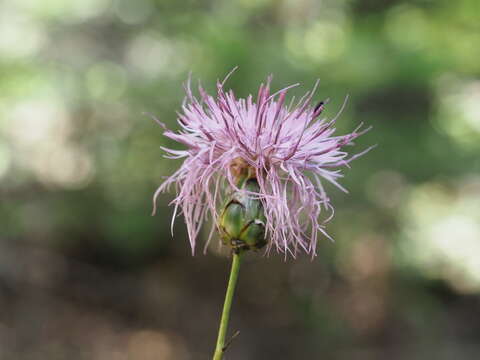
(320, 107)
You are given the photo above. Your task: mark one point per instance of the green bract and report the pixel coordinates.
(242, 220)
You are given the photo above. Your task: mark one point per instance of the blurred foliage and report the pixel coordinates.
(86, 273)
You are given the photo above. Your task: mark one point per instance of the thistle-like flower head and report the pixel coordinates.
(288, 149)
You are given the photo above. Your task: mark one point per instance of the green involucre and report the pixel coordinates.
(242, 221)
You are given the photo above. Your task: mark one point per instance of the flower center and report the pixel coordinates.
(240, 169)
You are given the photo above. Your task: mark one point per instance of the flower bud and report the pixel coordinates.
(242, 221)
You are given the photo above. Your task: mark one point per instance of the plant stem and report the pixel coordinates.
(222, 331)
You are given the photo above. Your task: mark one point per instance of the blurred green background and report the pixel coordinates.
(87, 273)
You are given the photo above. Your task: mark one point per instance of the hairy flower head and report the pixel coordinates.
(289, 149)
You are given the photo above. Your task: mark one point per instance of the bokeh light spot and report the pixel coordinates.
(406, 27)
(458, 110)
(442, 232)
(106, 80)
(21, 35)
(154, 55)
(133, 12)
(325, 41)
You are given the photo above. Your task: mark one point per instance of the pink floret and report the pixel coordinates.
(291, 148)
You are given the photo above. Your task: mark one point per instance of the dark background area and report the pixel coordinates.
(87, 273)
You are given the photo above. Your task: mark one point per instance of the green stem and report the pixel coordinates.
(222, 331)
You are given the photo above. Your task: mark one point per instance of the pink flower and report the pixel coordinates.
(290, 148)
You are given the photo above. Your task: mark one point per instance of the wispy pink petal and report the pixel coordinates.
(292, 150)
